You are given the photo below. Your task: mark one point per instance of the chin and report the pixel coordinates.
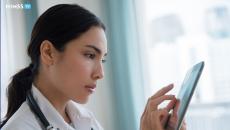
(81, 101)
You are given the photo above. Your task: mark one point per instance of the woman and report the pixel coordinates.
(67, 48)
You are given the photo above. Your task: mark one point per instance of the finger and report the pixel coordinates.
(172, 122)
(171, 105)
(155, 120)
(153, 104)
(162, 91)
(165, 117)
(160, 115)
(145, 110)
(167, 121)
(174, 118)
(177, 105)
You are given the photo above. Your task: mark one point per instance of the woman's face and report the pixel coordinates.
(76, 70)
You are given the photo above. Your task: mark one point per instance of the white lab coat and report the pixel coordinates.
(24, 119)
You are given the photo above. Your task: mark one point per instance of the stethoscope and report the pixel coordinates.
(37, 111)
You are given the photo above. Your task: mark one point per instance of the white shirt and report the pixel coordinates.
(24, 119)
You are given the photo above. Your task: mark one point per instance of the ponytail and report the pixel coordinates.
(16, 92)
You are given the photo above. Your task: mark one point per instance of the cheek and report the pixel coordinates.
(71, 74)
(75, 70)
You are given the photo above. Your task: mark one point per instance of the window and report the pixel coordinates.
(177, 34)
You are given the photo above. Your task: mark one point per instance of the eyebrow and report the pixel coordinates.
(96, 49)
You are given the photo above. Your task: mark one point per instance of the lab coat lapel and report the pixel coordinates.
(52, 115)
(80, 117)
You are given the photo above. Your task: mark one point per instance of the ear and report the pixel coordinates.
(48, 53)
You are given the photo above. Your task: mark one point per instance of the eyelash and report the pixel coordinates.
(92, 56)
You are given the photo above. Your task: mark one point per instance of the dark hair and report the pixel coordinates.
(59, 24)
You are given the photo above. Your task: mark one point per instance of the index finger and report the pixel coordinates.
(162, 91)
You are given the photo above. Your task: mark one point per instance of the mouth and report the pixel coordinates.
(90, 88)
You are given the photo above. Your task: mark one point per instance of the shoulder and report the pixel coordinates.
(23, 119)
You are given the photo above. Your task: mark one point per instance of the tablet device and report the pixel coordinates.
(187, 90)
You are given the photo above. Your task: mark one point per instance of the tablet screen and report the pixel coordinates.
(187, 89)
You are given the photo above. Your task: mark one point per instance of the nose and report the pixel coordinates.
(99, 72)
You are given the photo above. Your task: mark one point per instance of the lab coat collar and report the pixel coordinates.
(80, 117)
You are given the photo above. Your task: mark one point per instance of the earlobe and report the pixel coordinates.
(47, 52)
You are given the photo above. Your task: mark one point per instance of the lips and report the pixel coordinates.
(90, 88)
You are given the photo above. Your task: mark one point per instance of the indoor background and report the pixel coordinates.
(151, 43)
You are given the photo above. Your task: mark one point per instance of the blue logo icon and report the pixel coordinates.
(27, 6)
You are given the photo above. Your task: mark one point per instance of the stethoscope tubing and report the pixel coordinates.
(36, 110)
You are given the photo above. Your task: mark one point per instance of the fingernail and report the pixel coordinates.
(173, 96)
(171, 85)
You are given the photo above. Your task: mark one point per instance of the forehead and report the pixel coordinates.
(94, 36)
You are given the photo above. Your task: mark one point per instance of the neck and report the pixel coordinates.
(55, 97)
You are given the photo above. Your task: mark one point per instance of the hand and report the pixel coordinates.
(154, 118)
(174, 116)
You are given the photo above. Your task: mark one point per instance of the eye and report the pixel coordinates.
(90, 55)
